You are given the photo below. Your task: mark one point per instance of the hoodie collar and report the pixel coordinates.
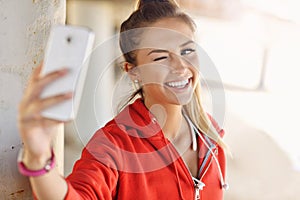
(137, 116)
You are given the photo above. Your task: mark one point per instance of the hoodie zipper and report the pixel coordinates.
(198, 187)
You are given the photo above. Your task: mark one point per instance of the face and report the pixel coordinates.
(166, 63)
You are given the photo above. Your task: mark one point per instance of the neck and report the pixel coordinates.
(168, 116)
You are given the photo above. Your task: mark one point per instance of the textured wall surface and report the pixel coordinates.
(24, 31)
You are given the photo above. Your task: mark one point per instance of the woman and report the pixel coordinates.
(159, 147)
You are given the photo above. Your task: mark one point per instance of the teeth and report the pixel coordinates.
(179, 84)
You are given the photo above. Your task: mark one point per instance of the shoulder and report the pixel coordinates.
(133, 122)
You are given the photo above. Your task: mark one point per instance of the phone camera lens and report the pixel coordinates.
(69, 39)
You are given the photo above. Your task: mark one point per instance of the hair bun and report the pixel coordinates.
(142, 3)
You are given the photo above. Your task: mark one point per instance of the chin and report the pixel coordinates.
(182, 100)
(185, 101)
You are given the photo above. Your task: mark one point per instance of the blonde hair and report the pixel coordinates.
(195, 111)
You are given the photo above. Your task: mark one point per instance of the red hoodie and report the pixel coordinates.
(129, 158)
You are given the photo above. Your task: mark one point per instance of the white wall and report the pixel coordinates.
(24, 29)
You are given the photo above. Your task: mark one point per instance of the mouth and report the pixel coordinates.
(178, 84)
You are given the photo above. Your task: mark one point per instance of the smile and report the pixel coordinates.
(178, 84)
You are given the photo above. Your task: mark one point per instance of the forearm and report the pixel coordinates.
(50, 186)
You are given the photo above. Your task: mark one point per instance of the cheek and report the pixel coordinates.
(194, 61)
(194, 66)
(153, 74)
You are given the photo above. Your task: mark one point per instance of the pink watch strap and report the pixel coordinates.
(32, 173)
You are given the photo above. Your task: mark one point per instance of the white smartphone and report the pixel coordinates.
(68, 47)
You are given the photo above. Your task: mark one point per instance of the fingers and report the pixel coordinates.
(51, 101)
(36, 73)
(33, 111)
(46, 80)
(38, 83)
(32, 105)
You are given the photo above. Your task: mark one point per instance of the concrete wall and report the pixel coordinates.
(24, 30)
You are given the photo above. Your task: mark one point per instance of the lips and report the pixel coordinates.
(178, 84)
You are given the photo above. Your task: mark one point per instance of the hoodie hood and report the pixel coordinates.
(139, 121)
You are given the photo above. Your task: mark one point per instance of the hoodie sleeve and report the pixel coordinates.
(94, 175)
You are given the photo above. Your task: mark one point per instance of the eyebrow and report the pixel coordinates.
(165, 51)
(158, 51)
(186, 43)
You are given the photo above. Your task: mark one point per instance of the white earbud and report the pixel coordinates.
(225, 186)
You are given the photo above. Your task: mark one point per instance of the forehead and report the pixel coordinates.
(166, 34)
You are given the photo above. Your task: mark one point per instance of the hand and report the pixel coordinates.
(36, 131)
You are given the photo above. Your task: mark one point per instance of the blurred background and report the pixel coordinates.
(255, 47)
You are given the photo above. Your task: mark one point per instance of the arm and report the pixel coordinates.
(37, 134)
(90, 179)
(42, 185)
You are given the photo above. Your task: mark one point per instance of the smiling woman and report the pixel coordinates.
(163, 144)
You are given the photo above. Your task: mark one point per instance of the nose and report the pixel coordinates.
(179, 64)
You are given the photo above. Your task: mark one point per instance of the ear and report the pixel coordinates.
(128, 66)
(132, 71)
